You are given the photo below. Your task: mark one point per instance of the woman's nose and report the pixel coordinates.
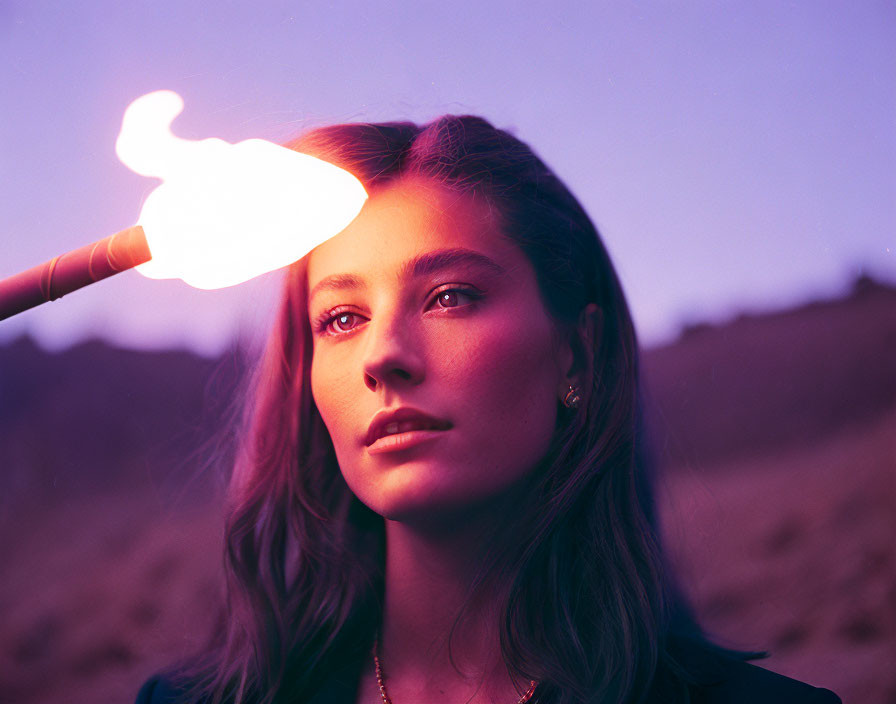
(394, 353)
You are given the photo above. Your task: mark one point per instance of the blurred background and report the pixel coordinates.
(738, 161)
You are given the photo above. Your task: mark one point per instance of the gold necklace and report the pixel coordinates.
(381, 683)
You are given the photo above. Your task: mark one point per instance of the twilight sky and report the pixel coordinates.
(737, 155)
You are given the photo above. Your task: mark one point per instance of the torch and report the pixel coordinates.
(224, 213)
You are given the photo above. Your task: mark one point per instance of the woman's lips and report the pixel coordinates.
(403, 441)
(397, 420)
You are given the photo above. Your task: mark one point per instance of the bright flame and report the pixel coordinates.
(228, 212)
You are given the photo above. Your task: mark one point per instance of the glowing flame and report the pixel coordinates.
(228, 212)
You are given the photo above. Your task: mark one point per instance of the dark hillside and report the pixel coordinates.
(97, 417)
(765, 383)
(779, 429)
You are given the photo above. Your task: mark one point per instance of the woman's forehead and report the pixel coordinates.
(405, 222)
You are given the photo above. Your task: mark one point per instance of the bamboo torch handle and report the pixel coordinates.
(73, 270)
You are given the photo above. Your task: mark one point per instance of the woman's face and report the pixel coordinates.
(467, 342)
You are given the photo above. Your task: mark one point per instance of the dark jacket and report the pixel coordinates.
(725, 681)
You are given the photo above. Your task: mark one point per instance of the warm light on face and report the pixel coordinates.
(482, 357)
(226, 213)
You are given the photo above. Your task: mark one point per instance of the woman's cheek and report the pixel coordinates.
(326, 383)
(501, 350)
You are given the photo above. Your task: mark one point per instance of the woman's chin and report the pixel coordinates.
(431, 509)
(414, 507)
(429, 490)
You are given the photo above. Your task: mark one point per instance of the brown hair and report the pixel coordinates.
(590, 608)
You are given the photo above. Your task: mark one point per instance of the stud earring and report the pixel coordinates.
(572, 398)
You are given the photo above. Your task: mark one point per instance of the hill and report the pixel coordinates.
(779, 431)
(765, 383)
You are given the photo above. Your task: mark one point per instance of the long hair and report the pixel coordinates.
(589, 606)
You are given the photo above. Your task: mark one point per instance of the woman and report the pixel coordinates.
(445, 493)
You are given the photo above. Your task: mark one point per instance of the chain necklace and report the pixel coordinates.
(381, 683)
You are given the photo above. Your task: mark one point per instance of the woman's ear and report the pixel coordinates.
(590, 325)
(577, 356)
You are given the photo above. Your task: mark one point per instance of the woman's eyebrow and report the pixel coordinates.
(421, 265)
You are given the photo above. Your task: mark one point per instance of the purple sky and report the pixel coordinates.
(733, 155)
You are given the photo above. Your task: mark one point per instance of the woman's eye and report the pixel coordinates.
(448, 296)
(334, 321)
(337, 319)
